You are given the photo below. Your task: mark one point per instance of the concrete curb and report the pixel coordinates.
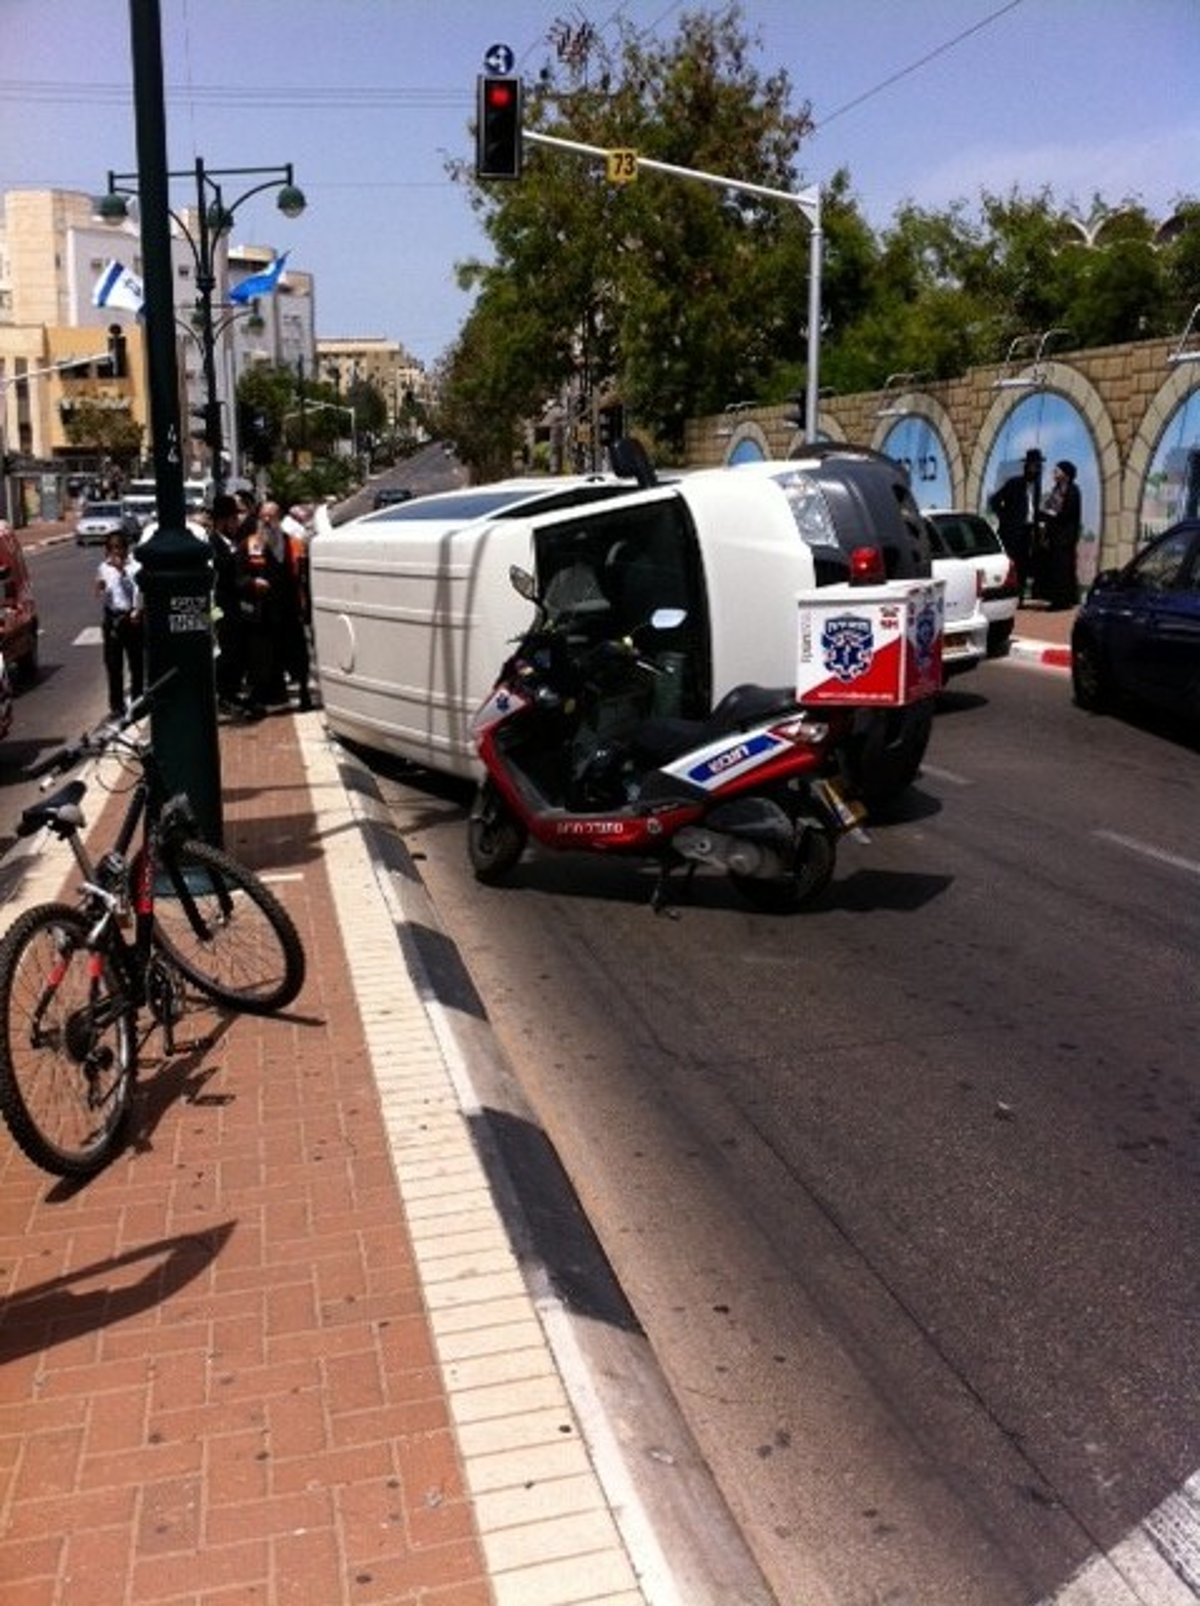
(1029, 651)
(668, 1517)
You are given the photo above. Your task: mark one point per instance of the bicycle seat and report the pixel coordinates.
(60, 811)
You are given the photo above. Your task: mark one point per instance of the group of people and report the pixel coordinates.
(261, 608)
(1041, 533)
(263, 613)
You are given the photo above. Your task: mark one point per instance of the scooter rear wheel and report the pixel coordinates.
(495, 841)
(816, 858)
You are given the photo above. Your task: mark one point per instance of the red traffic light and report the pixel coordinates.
(498, 150)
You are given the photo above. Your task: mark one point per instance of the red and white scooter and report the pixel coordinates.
(754, 789)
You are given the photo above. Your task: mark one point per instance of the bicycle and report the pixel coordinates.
(75, 978)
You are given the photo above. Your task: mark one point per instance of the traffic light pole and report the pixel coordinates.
(808, 201)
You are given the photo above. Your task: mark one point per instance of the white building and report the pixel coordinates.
(53, 248)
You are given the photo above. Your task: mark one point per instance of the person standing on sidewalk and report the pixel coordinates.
(1061, 520)
(231, 657)
(121, 623)
(1016, 504)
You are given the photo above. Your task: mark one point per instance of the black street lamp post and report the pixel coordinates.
(176, 572)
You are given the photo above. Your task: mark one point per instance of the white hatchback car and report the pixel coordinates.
(971, 537)
(964, 625)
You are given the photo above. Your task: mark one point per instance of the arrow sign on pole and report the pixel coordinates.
(499, 59)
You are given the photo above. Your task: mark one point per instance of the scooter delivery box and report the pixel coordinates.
(870, 646)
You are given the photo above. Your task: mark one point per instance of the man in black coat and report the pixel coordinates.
(1015, 505)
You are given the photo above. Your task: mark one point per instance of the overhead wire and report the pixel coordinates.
(915, 66)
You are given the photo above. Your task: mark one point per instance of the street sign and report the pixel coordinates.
(622, 166)
(499, 59)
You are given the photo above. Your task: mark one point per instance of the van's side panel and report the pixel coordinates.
(411, 629)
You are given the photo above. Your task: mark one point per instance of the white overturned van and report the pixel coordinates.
(414, 612)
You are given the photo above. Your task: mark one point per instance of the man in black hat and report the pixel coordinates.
(1015, 505)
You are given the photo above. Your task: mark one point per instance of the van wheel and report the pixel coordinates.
(495, 841)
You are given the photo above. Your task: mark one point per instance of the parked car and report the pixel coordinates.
(965, 628)
(1137, 632)
(98, 520)
(391, 496)
(413, 612)
(970, 536)
(140, 499)
(18, 609)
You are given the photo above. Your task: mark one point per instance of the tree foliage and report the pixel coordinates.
(679, 297)
(98, 426)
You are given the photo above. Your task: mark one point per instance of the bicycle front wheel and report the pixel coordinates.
(67, 1043)
(225, 931)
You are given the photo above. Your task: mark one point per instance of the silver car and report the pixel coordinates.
(98, 520)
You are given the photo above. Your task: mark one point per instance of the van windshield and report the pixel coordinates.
(495, 502)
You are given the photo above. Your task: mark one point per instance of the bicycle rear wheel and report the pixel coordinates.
(67, 1043)
(225, 931)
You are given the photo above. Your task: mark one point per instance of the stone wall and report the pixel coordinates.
(1126, 394)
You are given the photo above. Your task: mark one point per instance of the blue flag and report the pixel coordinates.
(260, 284)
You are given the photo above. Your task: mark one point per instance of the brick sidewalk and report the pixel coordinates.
(242, 1364)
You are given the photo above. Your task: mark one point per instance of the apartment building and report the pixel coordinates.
(53, 248)
(385, 363)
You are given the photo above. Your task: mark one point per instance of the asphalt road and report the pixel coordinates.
(903, 1189)
(69, 694)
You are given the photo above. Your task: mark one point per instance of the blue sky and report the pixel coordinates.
(368, 99)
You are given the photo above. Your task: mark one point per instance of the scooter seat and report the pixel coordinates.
(661, 739)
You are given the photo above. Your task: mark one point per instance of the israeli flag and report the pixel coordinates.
(260, 284)
(118, 287)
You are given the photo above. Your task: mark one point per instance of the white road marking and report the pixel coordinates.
(89, 636)
(1155, 1564)
(1148, 851)
(951, 777)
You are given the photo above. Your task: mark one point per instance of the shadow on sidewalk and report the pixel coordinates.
(81, 1301)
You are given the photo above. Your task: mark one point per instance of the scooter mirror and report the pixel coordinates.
(667, 618)
(523, 582)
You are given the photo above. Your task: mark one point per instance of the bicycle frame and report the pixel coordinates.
(115, 886)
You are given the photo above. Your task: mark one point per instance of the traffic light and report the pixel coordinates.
(210, 412)
(612, 424)
(118, 360)
(498, 152)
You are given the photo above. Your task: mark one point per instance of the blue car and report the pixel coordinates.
(1137, 632)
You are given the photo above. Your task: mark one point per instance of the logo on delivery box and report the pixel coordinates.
(847, 646)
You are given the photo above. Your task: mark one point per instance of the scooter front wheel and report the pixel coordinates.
(816, 858)
(495, 840)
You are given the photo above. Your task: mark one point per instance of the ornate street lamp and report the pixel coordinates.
(175, 568)
(214, 218)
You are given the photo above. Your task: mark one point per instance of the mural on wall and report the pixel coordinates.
(1172, 487)
(916, 442)
(1059, 430)
(747, 450)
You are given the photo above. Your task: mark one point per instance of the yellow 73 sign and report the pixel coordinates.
(622, 166)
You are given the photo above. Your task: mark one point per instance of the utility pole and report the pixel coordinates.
(808, 201)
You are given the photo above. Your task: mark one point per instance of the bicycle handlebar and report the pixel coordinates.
(94, 742)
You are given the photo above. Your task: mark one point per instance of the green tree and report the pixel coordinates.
(658, 289)
(98, 426)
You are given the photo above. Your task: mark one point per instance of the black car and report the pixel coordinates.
(1137, 632)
